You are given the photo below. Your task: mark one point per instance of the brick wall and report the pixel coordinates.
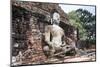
(28, 22)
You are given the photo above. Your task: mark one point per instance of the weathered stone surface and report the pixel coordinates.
(28, 23)
(42, 8)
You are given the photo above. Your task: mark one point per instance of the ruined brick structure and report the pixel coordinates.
(28, 22)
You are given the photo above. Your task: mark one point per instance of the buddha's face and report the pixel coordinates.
(56, 18)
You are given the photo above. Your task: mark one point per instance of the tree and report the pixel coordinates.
(75, 21)
(85, 22)
(88, 21)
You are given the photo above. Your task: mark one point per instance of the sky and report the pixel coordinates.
(69, 8)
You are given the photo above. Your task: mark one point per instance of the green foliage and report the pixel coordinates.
(88, 21)
(75, 21)
(85, 22)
